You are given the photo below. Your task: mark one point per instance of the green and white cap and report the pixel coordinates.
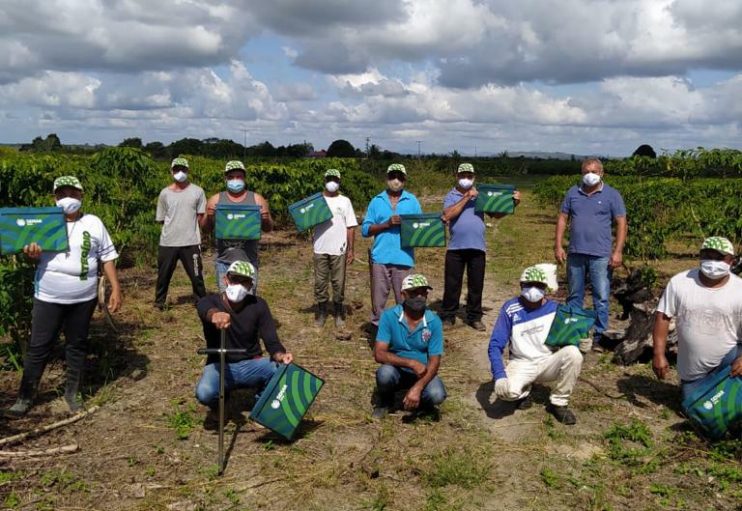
(179, 162)
(465, 167)
(534, 274)
(718, 243)
(67, 181)
(332, 173)
(242, 268)
(234, 165)
(396, 167)
(414, 281)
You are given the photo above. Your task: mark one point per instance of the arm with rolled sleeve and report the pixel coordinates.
(498, 341)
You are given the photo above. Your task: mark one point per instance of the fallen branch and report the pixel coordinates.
(44, 452)
(45, 429)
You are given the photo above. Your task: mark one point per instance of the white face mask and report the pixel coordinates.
(236, 292)
(532, 294)
(590, 179)
(180, 176)
(714, 270)
(69, 205)
(466, 183)
(332, 186)
(395, 185)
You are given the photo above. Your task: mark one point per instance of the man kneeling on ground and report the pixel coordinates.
(245, 317)
(409, 345)
(524, 324)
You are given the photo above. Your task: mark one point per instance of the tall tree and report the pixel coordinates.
(341, 149)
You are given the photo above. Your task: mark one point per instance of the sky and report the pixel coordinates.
(597, 77)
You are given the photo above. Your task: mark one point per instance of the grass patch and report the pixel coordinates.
(182, 420)
(462, 468)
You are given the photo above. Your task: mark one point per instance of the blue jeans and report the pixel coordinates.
(579, 266)
(255, 372)
(687, 388)
(390, 378)
(221, 271)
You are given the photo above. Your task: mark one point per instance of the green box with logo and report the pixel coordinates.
(21, 226)
(310, 212)
(495, 199)
(716, 403)
(237, 222)
(286, 399)
(425, 230)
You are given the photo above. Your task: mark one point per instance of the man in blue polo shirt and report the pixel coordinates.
(409, 346)
(390, 263)
(591, 208)
(466, 249)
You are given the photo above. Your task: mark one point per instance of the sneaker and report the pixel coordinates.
(563, 414)
(448, 322)
(525, 403)
(380, 412)
(19, 408)
(477, 325)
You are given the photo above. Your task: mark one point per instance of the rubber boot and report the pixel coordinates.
(71, 390)
(339, 315)
(320, 316)
(26, 395)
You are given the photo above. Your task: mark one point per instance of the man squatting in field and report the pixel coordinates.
(180, 207)
(65, 295)
(228, 251)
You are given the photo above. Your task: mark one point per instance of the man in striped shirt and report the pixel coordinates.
(523, 324)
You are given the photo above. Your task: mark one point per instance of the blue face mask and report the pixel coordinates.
(235, 185)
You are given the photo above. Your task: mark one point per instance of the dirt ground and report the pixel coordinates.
(146, 446)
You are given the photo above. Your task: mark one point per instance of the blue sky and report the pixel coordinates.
(580, 76)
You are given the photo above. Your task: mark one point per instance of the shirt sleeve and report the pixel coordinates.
(267, 330)
(350, 215)
(449, 200)
(161, 208)
(667, 304)
(435, 345)
(618, 208)
(384, 334)
(369, 219)
(201, 207)
(106, 249)
(418, 210)
(498, 341)
(565, 205)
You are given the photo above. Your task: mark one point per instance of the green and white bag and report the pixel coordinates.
(494, 199)
(21, 226)
(569, 326)
(237, 222)
(310, 212)
(426, 230)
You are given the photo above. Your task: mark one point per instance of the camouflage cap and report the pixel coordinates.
(465, 167)
(718, 243)
(179, 162)
(396, 167)
(242, 268)
(414, 281)
(534, 274)
(234, 165)
(332, 173)
(67, 181)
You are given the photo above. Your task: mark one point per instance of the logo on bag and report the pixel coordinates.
(282, 394)
(230, 216)
(417, 225)
(306, 208)
(708, 405)
(494, 194)
(567, 321)
(23, 222)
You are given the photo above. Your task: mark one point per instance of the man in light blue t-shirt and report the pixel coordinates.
(591, 208)
(466, 249)
(409, 345)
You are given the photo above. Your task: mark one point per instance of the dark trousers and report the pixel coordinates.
(456, 261)
(167, 259)
(47, 321)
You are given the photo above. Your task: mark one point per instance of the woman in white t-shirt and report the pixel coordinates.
(65, 295)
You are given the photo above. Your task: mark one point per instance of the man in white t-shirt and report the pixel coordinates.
(706, 303)
(333, 250)
(65, 296)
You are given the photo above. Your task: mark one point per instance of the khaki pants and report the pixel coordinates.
(562, 367)
(329, 269)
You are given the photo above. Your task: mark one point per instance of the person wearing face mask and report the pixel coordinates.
(466, 249)
(409, 346)
(65, 296)
(390, 263)
(333, 250)
(180, 208)
(236, 193)
(523, 324)
(591, 208)
(706, 303)
(246, 319)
